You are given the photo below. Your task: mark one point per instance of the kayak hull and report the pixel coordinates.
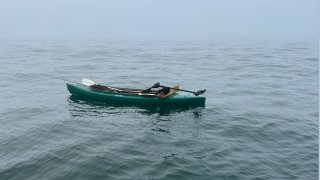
(175, 100)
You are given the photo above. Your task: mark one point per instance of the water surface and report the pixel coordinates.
(260, 119)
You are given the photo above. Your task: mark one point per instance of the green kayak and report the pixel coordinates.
(117, 96)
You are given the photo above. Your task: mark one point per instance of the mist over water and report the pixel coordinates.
(260, 118)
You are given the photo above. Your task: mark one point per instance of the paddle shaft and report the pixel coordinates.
(183, 90)
(180, 90)
(195, 93)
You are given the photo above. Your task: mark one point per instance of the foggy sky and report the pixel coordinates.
(159, 18)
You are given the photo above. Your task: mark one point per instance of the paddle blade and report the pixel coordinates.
(199, 92)
(87, 82)
(156, 85)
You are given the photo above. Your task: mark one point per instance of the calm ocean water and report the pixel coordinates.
(260, 119)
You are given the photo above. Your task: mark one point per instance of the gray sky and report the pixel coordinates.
(159, 18)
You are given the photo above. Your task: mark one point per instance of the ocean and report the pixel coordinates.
(260, 120)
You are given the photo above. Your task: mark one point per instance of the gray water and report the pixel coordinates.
(260, 120)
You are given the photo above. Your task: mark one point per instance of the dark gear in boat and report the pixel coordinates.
(164, 90)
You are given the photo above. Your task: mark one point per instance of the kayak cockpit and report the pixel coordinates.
(141, 92)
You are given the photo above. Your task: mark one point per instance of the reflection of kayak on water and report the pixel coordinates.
(157, 95)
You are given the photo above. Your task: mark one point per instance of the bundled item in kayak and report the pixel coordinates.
(164, 90)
